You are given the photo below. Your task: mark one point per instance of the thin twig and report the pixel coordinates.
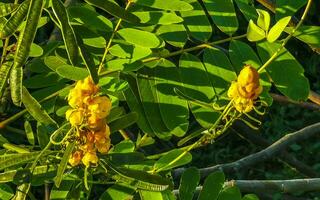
(286, 100)
(264, 154)
(268, 186)
(255, 138)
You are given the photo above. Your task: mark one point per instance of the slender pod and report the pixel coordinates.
(4, 75)
(68, 34)
(23, 48)
(15, 20)
(7, 8)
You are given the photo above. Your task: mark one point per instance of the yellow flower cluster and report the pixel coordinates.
(87, 113)
(245, 90)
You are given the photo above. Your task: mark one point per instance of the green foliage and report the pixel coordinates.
(167, 67)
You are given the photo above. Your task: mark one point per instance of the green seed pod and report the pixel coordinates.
(15, 20)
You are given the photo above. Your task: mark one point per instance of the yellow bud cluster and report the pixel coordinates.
(245, 90)
(88, 112)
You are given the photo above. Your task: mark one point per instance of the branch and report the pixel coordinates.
(307, 105)
(263, 155)
(268, 186)
(284, 186)
(255, 138)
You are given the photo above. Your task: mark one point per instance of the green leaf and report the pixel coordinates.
(125, 146)
(307, 34)
(230, 193)
(263, 19)
(140, 38)
(63, 164)
(254, 32)
(7, 8)
(146, 195)
(174, 34)
(241, 54)
(158, 17)
(134, 102)
(247, 10)
(35, 50)
(35, 109)
(294, 85)
(148, 96)
(174, 110)
(118, 191)
(168, 161)
(197, 22)
(278, 28)
(288, 8)
(126, 158)
(89, 37)
(124, 65)
(188, 183)
(223, 15)
(123, 122)
(4, 75)
(72, 73)
(53, 62)
(130, 51)
(141, 179)
(212, 186)
(43, 80)
(173, 5)
(250, 197)
(89, 18)
(197, 85)
(68, 34)
(67, 187)
(220, 70)
(6, 193)
(115, 10)
(29, 132)
(15, 20)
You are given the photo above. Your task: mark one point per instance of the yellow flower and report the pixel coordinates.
(90, 157)
(75, 158)
(101, 135)
(243, 105)
(104, 146)
(75, 117)
(233, 90)
(100, 106)
(87, 86)
(248, 83)
(75, 98)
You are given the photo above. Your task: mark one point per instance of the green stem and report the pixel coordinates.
(201, 46)
(275, 55)
(106, 51)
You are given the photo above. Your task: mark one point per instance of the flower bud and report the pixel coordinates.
(75, 158)
(90, 157)
(75, 117)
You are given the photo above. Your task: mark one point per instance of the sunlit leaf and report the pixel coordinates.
(115, 10)
(173, 5)
(277, 29)
(223, 15)
(254, 32)
(140, 38)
